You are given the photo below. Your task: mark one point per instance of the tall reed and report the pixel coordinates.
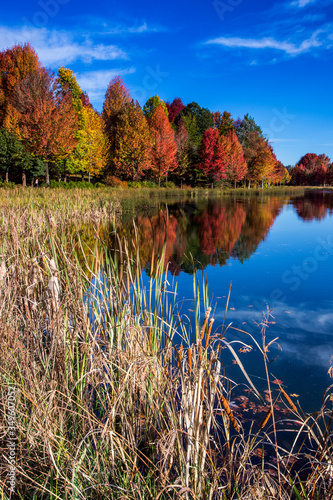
(116, 396)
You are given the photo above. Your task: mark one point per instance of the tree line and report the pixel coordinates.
(49, 129)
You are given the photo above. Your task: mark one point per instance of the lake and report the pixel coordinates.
(278, 253)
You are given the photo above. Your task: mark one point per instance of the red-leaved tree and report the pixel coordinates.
(213, 155)
(175, 108)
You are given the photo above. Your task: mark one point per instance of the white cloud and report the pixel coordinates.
(59, 47)
(95, 82)
(132, 30)
(302, 3)
(289, 48)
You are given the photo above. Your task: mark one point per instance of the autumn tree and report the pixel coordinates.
(234, 157)
(46, 117)
(260, 159)
(15, 64)
(258, 153)
(280, 174)
(117, 97)
(223, 122)
(91, 153)
(299, 175)
(319, 176)
(151, 105)
(213, 155)
(311, 161)
(164, 148)
(174, 108)
(314, 169)
(330, 174)
(183, 151)
(68, 80)
(132, 143)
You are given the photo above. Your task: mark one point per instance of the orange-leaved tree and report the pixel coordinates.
(46, 116)
(234, 157)
(164, 147)
(15, 64)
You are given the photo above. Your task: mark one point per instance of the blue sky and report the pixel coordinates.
(270, 59)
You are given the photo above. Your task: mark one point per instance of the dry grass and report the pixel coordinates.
(109, 402)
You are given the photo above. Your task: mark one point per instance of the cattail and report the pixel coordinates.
(229, 413)
(180, 354)
(209, 332)
(266, 418)
(202, 333)
(189, 357)
(288, 399)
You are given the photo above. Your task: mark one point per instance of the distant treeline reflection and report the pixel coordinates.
(196, 235)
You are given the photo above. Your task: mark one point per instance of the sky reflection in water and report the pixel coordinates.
(278, 253)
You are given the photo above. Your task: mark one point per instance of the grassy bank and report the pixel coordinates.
(64, 201)
(108, 402)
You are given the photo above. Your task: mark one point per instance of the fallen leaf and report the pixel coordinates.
(277, 381)
(294, 395)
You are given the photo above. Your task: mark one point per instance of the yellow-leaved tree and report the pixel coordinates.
(90, 155)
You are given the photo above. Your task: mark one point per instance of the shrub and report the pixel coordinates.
(113, 181)
(149, 184)
(170, 185)
(7, 185)
(134, 184)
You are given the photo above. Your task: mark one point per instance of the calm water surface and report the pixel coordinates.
(278, 253)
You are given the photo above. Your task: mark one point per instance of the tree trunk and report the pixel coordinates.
(159, 181)
(235, 184)
(32, 182)
(47, 173)
(24, 178)
(89, 176)
(249, 184)
(7, 174)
